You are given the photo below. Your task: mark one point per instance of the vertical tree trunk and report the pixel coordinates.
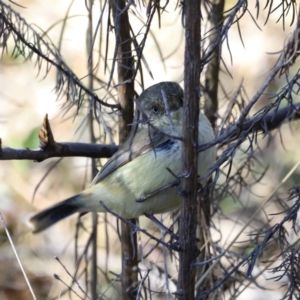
(125, 95)
(210, 108)
(212, 72)
(187, 229)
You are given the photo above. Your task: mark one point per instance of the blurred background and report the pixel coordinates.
(27, 95)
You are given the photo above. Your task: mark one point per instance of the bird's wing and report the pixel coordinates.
(138, 143)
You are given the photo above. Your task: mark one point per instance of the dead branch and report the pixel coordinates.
(268, 122)
(49, 148)
(12, 24)
(259, 123)
(63, 150)
(189, 157)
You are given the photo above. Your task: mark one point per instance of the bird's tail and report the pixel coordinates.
(53, 214)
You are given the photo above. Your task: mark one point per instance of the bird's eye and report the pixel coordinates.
(155, 109)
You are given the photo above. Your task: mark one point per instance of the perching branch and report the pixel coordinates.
(49, 148)
(62, 150)
(260, 123)
(265, 123)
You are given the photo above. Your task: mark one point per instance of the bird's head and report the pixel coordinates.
(161, 102)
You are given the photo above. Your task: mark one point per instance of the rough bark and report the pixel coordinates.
(188, 185)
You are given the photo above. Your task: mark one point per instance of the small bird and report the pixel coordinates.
(149, 160)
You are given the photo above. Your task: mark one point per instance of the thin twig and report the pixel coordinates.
(288, 175)
(17, 257)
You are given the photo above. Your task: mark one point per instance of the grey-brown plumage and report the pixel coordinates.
(141, 165)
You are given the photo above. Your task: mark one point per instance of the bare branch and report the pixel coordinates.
(189, 157)
(212, 72)
(62, 150)
(125, 67)
(28, 42)
(265, 123)
(260, 123)
(49, 148)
